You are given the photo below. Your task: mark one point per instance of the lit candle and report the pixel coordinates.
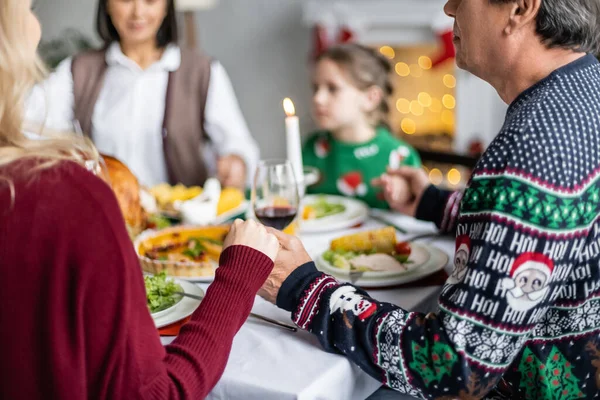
(294, 146)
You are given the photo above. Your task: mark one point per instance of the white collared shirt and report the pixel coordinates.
(128, 116)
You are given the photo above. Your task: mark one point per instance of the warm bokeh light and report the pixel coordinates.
(288, 107)
(449, 81)
(454, 176)
(425, 62)
(416, 108)
(424, 99)
(436, 106)
(435, 176)
(448, 117)
(416, 71)
(408, 126)
(388, 52)
(449, 101)
(403, 106)
(402, 69)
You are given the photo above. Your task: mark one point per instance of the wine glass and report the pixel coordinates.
(275, 198)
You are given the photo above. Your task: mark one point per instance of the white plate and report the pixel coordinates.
(184, 308)
(166, 311)
(427, 260)
(356, 213)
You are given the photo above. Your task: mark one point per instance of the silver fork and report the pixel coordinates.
(257, 316)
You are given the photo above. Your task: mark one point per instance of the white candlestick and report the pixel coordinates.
(293, 143)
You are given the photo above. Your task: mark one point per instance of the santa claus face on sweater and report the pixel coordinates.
(322, 147)
(352, 184)
(461, 260)
(529, 281)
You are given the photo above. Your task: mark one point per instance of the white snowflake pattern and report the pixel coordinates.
(550, 325)
(457, 330)
(585, 317)
(493, 347)
(405, 388)
(389, 352)
(394, 322)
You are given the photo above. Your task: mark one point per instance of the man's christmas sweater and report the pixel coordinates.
(348, 168)
(519, 318)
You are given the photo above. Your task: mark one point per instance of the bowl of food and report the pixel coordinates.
(162, 294)
(185, 252)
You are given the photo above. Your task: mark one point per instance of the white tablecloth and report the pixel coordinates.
(267, 362)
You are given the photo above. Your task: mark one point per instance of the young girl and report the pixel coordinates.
(351, 84)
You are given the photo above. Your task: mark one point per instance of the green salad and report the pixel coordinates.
(341, 259)
(160, 292)
(322, 208)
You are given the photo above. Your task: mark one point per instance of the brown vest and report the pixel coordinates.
(183, 125)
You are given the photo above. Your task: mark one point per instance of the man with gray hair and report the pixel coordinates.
(529, 219)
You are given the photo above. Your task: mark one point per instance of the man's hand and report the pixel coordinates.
(403, 188)
(254, 235)
(291, 256)
(231, 171)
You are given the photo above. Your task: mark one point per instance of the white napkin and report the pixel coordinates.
(202, 209)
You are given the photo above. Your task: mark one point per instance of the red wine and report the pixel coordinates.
(276, 217)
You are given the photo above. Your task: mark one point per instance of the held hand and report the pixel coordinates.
(254, 235)
(403, 188)
(231, 171)
(291, 256)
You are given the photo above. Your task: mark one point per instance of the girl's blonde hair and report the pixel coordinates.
(366, 68)
(20, 70)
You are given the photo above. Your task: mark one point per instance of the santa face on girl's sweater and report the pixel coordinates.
(322, 148)
(352, 184)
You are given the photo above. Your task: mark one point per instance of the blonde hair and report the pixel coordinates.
(20, 70)
(365, 67)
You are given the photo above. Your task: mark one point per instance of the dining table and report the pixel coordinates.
(271, 363)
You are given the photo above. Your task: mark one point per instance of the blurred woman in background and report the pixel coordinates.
(169, 113)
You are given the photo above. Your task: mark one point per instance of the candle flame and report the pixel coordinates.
(288, 107)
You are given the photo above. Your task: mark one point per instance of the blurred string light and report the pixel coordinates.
(449, 81)
(408, 126)
(402, 69)
(403, 106)
(454, 176)
(435, 176)
(388, 52)
(425, 62)
(449, 101)
(424, 99)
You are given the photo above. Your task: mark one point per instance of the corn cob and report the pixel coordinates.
(379, 240)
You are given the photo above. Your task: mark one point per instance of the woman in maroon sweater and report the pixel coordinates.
(73, 317)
